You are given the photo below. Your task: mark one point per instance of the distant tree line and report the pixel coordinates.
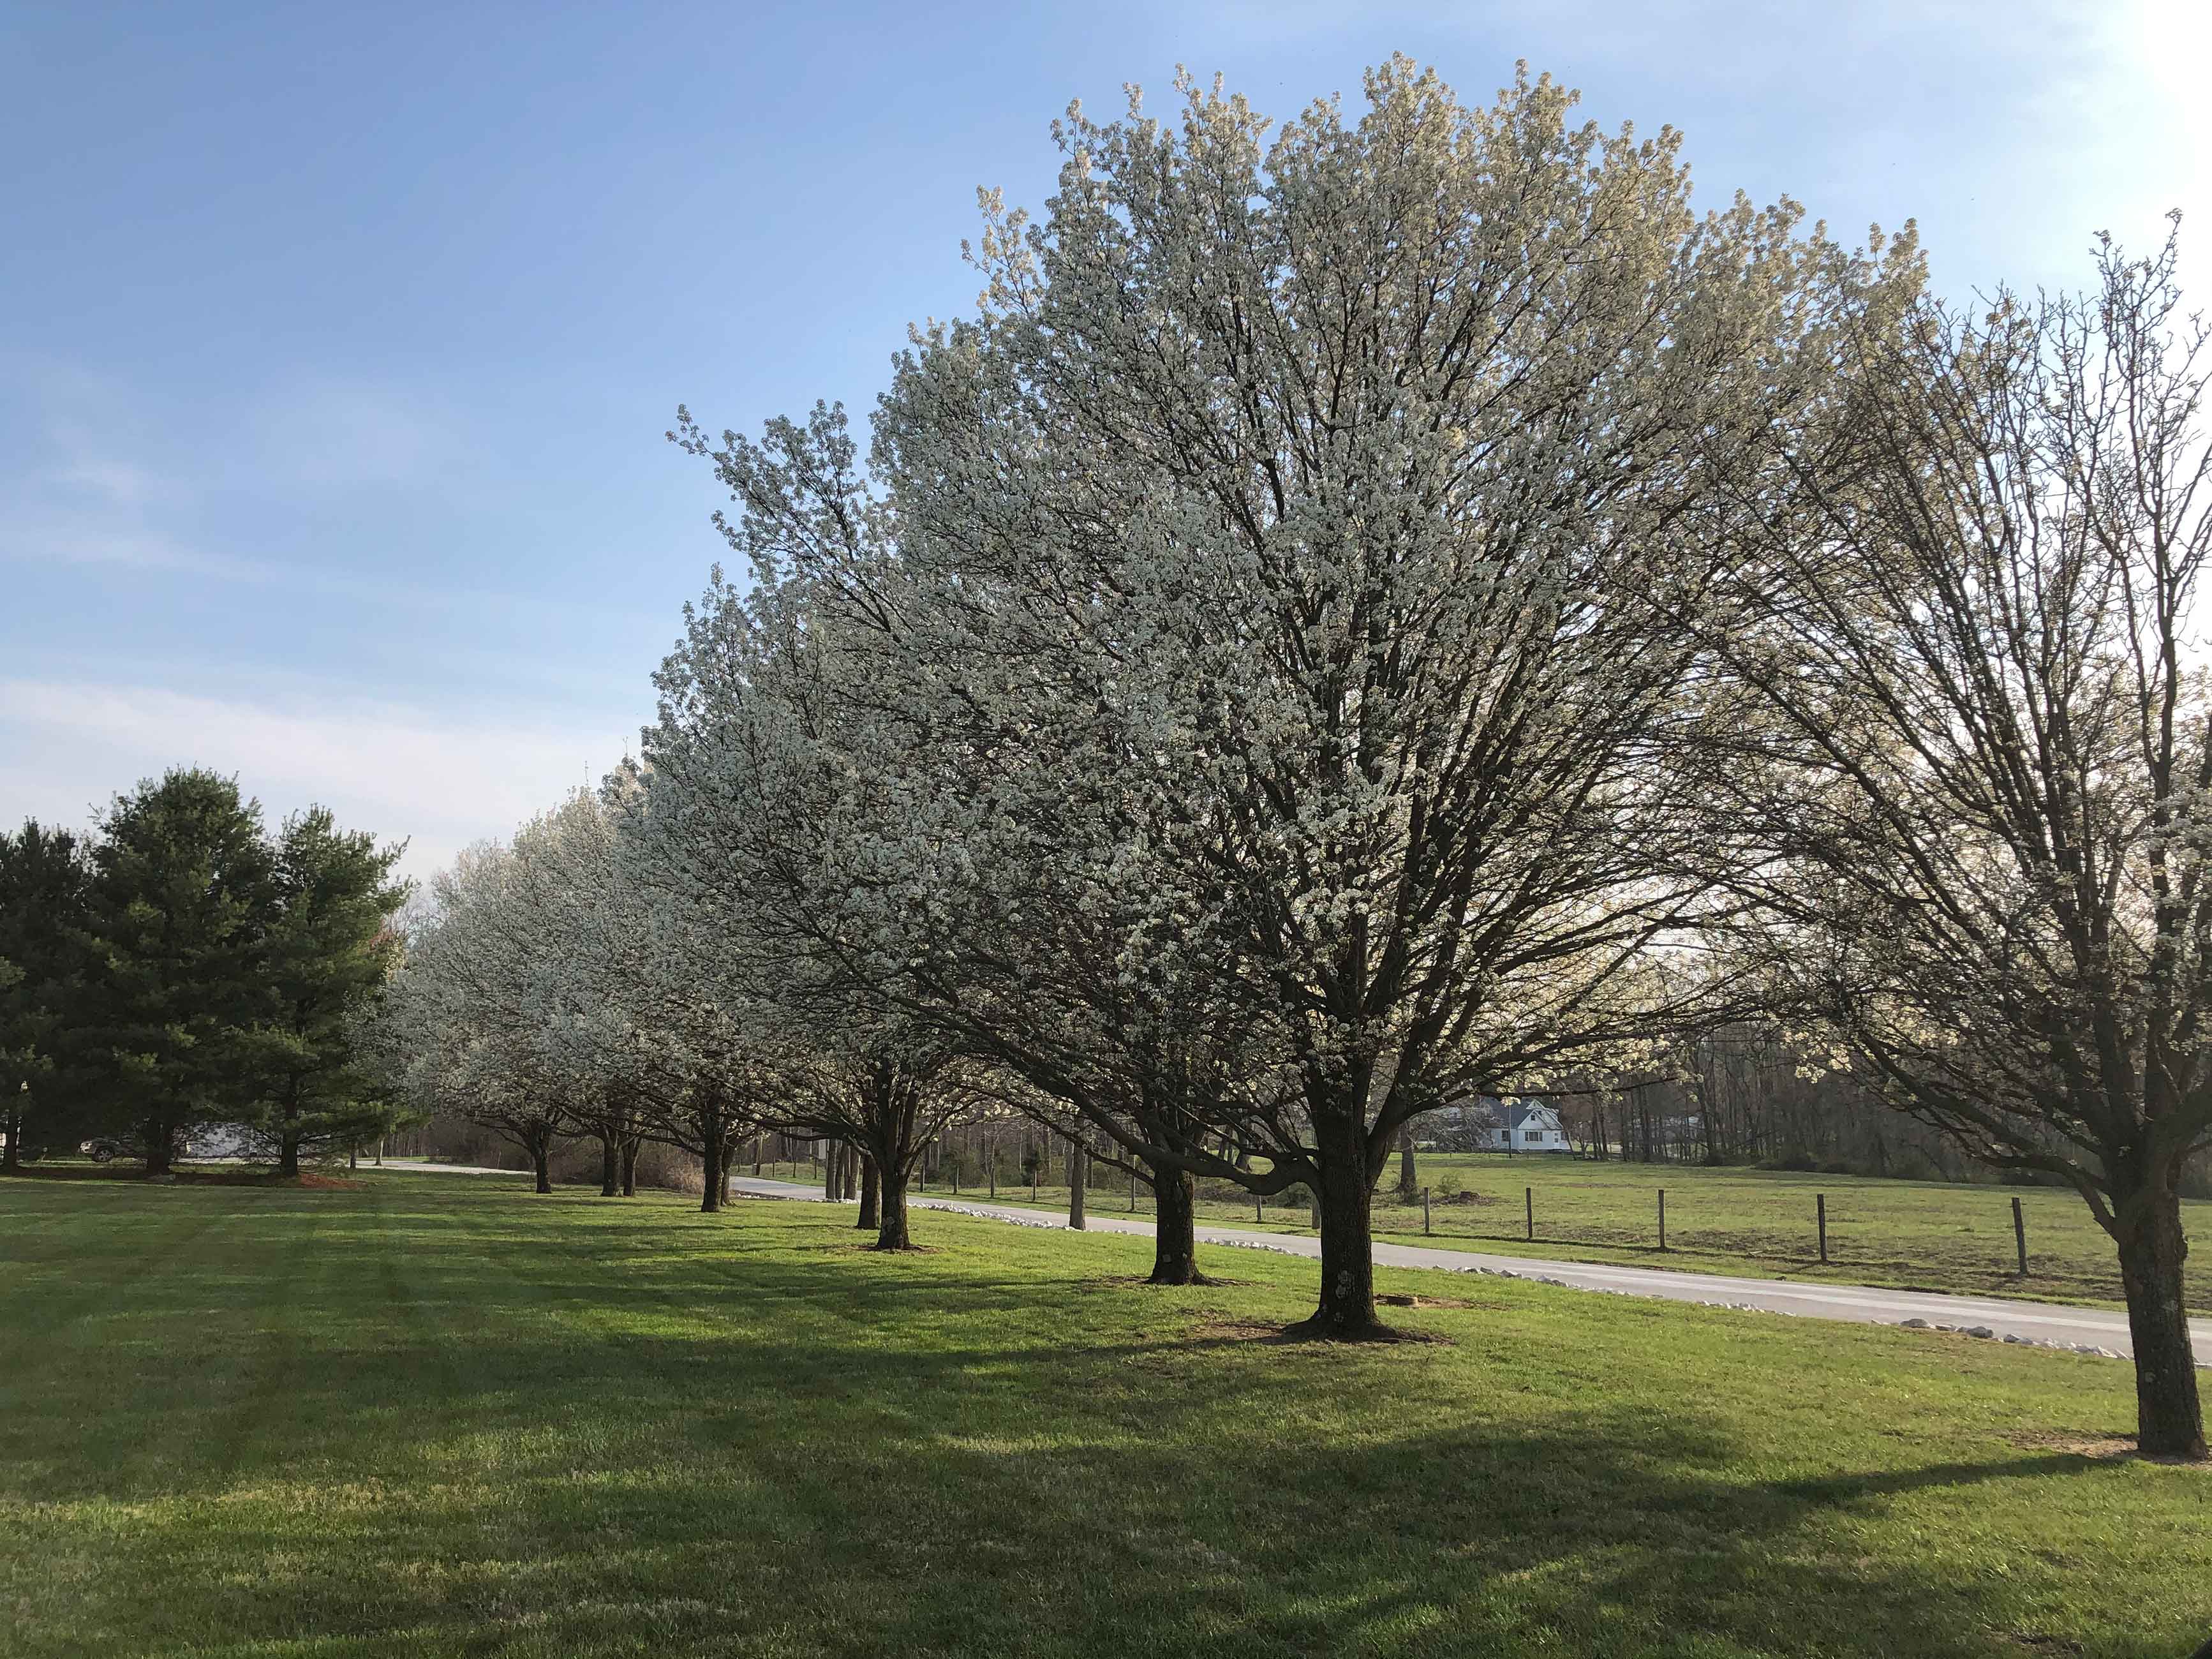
(183, 966)
(1742, 1093)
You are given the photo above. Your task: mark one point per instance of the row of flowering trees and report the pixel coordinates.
(1390, 611)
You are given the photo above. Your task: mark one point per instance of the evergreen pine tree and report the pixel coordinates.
(329, 951)
(183, 896)
(42, 897)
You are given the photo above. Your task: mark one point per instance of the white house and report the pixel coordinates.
(1523, 1126)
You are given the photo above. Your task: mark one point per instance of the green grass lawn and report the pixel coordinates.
(1918, 1235)
(440, 1415)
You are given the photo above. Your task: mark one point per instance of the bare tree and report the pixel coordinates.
(1976, 805)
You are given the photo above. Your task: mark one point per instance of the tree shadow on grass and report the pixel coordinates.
(1602, 1532)
(576, 1441)
(1021, 1529)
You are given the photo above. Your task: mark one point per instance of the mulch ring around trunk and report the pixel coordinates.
(308, 1179)
(1302, 1334)
(185, 1175)
(2104, 1448)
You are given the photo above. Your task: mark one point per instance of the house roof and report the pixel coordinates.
(1516, 1114)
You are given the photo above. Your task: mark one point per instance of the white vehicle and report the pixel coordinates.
(208, 1144)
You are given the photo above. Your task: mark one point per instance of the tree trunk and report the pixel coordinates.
(1409, 1181)
(1078, 1177)
(11, 1159)
(833, 1172)
(160, 1149)
(1344, 1195)
(710, 1160)
(849, 1174)
(892, 1233)
(871, 1206)
(288, 1156)
(610, 1167)
(1175, 1231)
(630, 1168)
(2169, 1418)
(541, 1160)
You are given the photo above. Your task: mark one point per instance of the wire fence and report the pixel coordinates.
(1679, 1225)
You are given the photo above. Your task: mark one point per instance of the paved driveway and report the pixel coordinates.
(2048, 1323)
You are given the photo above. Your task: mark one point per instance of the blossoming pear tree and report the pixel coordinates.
(459, 1026)
(767, 819)
(1318, 509)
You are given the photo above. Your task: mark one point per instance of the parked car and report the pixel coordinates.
(204, 1144)
(210, 1141)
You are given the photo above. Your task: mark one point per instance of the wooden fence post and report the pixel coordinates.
(1424, 1211)
(2019, 1236)
(1662, 1218)
(1820, 1214)
(1529, 1200)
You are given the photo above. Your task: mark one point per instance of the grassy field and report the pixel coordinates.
(439, 1415)
(1916, 1234)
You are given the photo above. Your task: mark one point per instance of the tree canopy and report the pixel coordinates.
(1394, 607)
(181, 968)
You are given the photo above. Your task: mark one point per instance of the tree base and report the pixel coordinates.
(1318, 1327)
(2182, 1449)
(2199, 1459)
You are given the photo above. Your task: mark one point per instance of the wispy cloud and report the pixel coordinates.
(106, 478)
(325, 435)
(94, 473)
(31, 533)
(439, 780)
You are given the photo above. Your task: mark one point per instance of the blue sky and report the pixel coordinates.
(339, 341)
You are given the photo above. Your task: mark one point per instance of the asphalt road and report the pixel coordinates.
(2050, 1323)
(2045, 1322)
